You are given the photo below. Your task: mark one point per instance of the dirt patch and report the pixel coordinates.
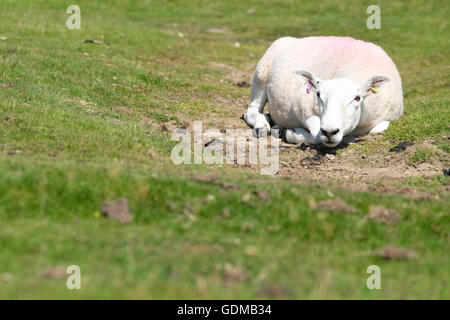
(405, 191)
(381, 214)
(274, 291)
(350, 165)
(225, 115)
(363, 164)
(394, 253)
(231, 74)
(335, 205)
(6, 277)
(213, 179)
(57, 272)
(117, 210)
(262, 195)
(315, 160)
(234, 274)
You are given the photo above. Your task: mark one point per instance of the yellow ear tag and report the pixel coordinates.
(374, 90)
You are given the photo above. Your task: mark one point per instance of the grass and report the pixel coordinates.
(82, 116)
(422, 155)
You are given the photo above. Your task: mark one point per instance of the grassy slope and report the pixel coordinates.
(47, 203)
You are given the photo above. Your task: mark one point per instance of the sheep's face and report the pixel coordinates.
(340, 103)
(340, 109)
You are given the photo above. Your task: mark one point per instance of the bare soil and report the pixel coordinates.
(358, 164)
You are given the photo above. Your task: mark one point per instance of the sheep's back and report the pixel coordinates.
(334, 57)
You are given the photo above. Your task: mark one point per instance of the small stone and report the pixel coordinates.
(401, 146)
(394, 253)
(213, 143)
(312, 160)
(11, 152)
(93, 41)
(243, 84)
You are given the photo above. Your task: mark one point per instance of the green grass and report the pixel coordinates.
(422, 155)
(92, 105)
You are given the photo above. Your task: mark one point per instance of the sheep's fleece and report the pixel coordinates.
(295, 104)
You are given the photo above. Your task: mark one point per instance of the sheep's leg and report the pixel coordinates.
(254, 116)
(297, 135)
(313, 125)
(300, 135)
(383, 125)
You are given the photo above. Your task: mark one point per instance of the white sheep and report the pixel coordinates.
(323, 88)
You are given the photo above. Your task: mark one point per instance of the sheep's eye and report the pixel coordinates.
(357, 98)
(318, 94)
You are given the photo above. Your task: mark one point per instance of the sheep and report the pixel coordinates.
(321, 89)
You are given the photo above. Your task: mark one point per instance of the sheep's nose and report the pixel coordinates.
(329, 133)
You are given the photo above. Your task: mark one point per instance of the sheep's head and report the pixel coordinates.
(340, 101)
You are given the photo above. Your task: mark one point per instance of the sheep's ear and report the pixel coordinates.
(374, 84)
(305, 76)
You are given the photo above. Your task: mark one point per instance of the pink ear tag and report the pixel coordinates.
(308, 89)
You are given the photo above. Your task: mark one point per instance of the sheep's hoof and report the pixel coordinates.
(295, 136)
